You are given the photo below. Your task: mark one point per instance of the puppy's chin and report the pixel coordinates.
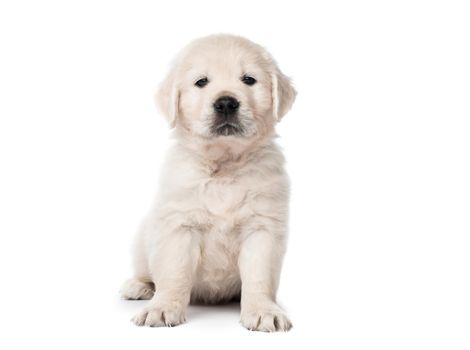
(227, 129)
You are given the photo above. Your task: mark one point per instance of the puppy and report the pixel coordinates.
(218, 229)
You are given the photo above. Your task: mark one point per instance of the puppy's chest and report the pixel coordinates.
(224, 201)
(224, 197)
(218, 266)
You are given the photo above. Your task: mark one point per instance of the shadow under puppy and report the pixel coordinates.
(218, 227)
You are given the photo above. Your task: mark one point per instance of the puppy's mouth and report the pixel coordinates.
(227, 129)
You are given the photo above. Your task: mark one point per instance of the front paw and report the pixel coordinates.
(161, 315)
(267, 318)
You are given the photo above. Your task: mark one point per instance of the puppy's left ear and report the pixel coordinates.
(167, 98)
(283, 94)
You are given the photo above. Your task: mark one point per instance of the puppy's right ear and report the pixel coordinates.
(167, 98)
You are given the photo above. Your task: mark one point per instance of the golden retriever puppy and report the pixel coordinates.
(218, 229)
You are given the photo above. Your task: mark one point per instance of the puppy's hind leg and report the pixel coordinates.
(141, 286)
(134, 289)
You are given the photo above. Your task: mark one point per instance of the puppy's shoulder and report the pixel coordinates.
(267, 161)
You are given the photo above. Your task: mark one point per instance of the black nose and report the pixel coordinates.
(226, 105)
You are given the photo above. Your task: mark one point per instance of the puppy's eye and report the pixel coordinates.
(248, 80)
(202, 82)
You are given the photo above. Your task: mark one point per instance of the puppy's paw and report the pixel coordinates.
(134, 289)
(160, 315)
(265, 319)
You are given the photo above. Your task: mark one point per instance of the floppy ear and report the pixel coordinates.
(167, 98)
(283, 94)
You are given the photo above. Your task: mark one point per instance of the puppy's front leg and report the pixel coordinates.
(260, 264)
(172, 263)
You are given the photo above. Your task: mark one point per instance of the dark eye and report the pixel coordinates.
(202, 82)
(248, 80)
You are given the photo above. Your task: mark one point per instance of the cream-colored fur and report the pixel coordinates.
(218, 228)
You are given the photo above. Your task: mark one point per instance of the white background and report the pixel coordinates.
(378, 151)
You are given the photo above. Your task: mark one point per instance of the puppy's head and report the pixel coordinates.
(225, 87)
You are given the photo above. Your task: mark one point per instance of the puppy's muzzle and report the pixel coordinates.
(226, 120)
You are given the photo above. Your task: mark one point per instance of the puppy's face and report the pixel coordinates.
(225, 87)
(224, 93)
